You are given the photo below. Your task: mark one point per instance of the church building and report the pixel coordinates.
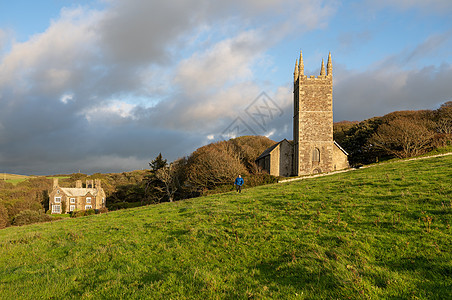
(313, 149)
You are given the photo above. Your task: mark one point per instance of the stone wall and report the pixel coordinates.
(285, 158)
(340, 159)
(315, 124)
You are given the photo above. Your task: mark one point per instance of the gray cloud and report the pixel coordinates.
(107, 90)
(358, 96)
(424, 6)
(103, 91)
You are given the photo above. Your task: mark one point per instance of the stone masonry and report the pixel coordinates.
(314, 150)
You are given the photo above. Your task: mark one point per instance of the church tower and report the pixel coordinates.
(313, 121)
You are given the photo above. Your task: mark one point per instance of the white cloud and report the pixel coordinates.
(81, 78)
(228, 61)
(66, 98)
(111, 111)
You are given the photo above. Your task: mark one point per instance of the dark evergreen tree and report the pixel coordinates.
(154, 188)
(158, 163)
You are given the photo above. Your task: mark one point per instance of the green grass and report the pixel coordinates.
(376, 233)
(13, 178)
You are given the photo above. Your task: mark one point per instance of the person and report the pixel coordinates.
(238, 183)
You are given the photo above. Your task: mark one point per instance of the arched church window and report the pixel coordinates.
(316, 155)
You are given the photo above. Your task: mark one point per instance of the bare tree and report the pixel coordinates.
(444, 118)
(404, 136)
(169, 175)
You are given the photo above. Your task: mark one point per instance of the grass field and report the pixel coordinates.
(376, 233)
(13, 178)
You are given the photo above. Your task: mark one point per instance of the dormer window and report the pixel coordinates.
(88, 199)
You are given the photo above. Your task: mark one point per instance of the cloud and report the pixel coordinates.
(106, 90)
(425, 6)
(358, 96)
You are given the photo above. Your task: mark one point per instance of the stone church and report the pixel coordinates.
(313, 149)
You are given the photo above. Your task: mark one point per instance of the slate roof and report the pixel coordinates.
(342, 149)
(267, 151)
(79, 192)
(270, 149)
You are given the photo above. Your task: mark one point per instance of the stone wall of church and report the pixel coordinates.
(285, 159)
(340, 160)
(315, 124)
(308, 163)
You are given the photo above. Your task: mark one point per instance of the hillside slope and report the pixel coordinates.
(382, 232)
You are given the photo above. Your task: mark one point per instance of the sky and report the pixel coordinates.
(106, 85)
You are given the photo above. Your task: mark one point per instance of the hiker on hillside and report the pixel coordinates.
(238, 184)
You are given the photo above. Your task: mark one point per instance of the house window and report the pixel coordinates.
(103, 200)
(58, 191)
(72, 200)
(57, 199)
(56, 209)
(88, 200)
(316, 155)
(71, 207)
(88, 207)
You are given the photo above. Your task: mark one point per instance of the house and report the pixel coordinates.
(313, 149)
(65, 200)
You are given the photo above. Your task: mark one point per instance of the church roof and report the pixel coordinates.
(342, 149)
(270, 149)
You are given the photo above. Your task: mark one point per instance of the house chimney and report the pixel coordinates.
(97, 183)
(78, 184)
(89, 183)
(55, 182)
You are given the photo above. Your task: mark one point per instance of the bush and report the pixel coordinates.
(3, 216)
(89, 212)
(101, 210)
(29, 217)
(77, 213)
(82, 213)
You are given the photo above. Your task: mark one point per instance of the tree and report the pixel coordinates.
(169, 175)
(404, 136)
(45, 200)
(3, 216)
(444, 118)
(356, 141)
(154, 187)
(214, 165)
(158, 163)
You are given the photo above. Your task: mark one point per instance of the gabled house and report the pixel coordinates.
(65, 200)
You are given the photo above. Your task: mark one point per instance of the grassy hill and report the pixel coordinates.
(380, 232)
(14, 178)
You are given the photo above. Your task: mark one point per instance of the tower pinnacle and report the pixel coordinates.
(295, 73)
(301, 65)
(322, 69)
(329, 66)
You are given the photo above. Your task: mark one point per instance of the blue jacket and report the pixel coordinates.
(239, 181)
